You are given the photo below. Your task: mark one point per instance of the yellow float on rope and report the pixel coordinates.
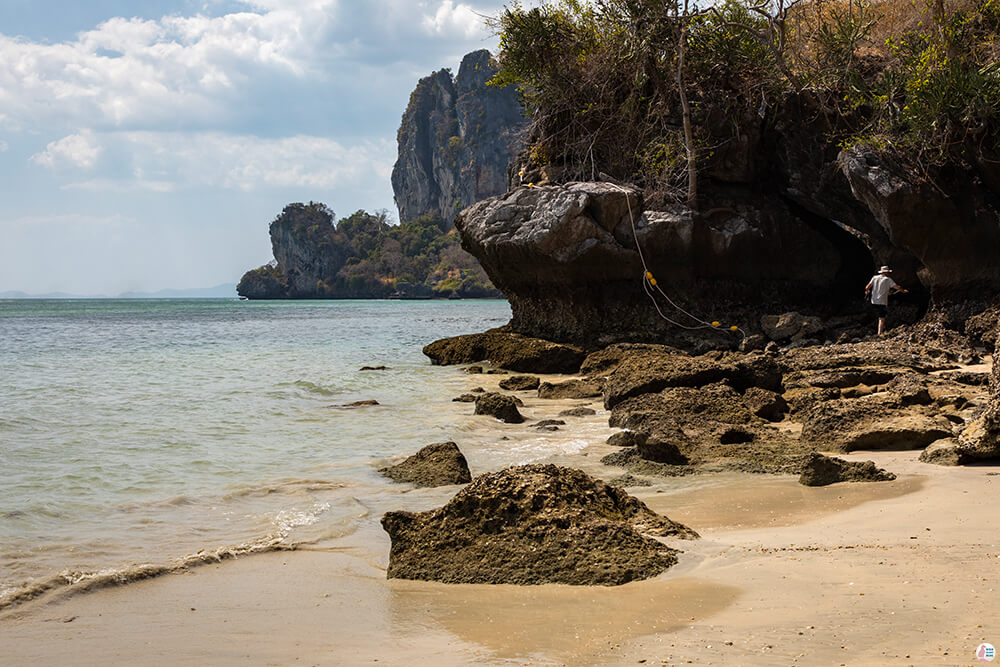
(649, 276)
(734, 328)
(715, 324)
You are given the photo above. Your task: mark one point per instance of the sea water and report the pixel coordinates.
(142, 435)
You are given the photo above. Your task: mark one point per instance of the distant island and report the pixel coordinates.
(362, 256)
(217, 292)
(456, 138)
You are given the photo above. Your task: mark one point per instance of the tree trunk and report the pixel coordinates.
(692, 195)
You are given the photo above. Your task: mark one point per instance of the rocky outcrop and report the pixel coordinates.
(795, 225)
(519, 383)
(439, 464)
(500, 406)
(507, 350)
(533, 524)
(871, 422)
(566, 258)
(643, 373)
(981, 439)
(570, 389)
(455, 141)
(822, 470)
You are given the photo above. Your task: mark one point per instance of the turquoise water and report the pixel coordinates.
(145, 432)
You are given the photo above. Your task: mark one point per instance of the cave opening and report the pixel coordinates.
(846, 293)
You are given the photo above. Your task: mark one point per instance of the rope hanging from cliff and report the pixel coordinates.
(652, 288)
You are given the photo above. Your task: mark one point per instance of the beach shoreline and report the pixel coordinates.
(852, 573)
(869, 573)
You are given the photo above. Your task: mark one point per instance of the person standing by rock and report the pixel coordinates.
(878, 290)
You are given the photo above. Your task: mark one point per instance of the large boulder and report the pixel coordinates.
(439, 464)
(822, 470)
(500, 406)
(507, 350)
(871, 422)
(534, 524)
(644, 373)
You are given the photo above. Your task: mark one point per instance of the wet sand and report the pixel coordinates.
(887, 573)
(892, 573)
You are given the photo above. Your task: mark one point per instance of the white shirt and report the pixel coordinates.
(881, 285)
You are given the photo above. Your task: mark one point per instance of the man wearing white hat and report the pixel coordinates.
(878, 290)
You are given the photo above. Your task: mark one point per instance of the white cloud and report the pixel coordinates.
(3, 146)
(208, 72)
(80, 150)
(454, 20)
(168, 161)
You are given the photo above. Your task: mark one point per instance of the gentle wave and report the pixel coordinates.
(74, 582)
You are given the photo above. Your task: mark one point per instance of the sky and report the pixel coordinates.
(147, 145)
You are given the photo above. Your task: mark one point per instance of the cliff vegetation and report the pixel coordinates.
(656, 93)
(362, 256)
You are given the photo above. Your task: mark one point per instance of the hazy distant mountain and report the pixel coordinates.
(49, 295)
(219, 291)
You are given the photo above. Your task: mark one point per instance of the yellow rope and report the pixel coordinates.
(649, 283)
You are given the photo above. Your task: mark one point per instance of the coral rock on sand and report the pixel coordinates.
(519, 383)
(871, 422)
(500, 406)
(507, 350)
(578, 412)
(435, 465)
(981, 438)
(644, 373)
(945, 452)
(533, 524)
(821, 470)
(570, 389)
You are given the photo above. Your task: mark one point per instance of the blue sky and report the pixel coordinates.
(147, 145)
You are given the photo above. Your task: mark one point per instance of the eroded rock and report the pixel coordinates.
(519, 383)
(533, 524)
(570, 389)
(821, 470)
(507, 350)
(500, 406)
(439, 464)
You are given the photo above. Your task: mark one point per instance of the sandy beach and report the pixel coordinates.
(898, 572)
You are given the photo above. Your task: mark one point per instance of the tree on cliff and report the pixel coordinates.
(600, 79)
(361, 256)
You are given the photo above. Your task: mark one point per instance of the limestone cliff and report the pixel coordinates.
(456, 139)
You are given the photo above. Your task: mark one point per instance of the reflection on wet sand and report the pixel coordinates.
(562, 623)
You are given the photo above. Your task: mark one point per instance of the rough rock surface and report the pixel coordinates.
(435, 465)
(519, 383)
(455, 140)
(981, 438)
(640, 373)
(764, 403)
(871, 422)
(565, 256)
(577, 412)
(533, 524)
(790, 326)
(821, 470)
(507, 350)
(570, 389)
(946, 452)
(500, 406)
